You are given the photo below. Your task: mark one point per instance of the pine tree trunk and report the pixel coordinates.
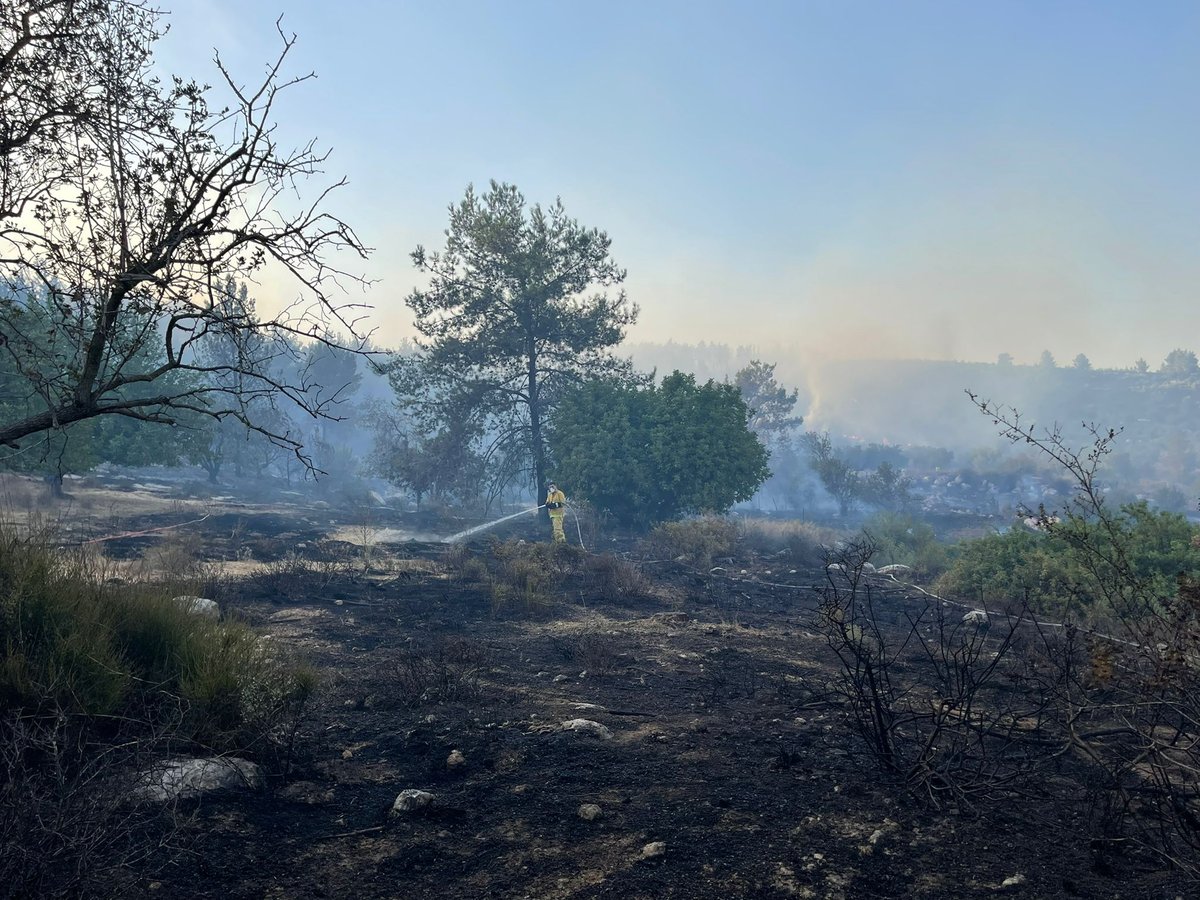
(535, 435)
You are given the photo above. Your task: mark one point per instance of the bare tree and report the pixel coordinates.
(1129, 700)
(126, 203)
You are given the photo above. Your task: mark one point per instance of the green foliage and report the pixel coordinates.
(1056, 574)
(646, 454)
(901, 538)
(508, 321)
(887, 487)
(70, 642)
(770, 404)
(837, 475)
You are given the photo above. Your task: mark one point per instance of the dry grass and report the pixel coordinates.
(697, 541)
(804, 541)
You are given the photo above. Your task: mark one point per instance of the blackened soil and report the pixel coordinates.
(728, 745)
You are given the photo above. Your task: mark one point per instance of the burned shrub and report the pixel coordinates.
(444, 670)
(464, 566)
(943, 702)
(590, 649)
(525, 578)
(614, 579)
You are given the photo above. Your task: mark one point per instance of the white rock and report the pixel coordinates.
(201, 606)
(654, 850)
(975, 617)
(559, 679)
(455, 759)
(589, 812)
(1012, 881)
(893, 569)
(587, 726)
(182, 778)
(868, 568)
(410, 800)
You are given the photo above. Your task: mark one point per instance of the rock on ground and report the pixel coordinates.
(587, 726)
(411, 800)
(589, 812)
(654, 850)
(182, 778)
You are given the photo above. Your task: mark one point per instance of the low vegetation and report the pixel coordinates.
(100, 677)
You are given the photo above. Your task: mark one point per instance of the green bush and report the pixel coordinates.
(1055, 574)
(903, 539)
(72, 643)
(648, 454)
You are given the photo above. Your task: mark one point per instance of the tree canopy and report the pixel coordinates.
(516, 312)
(647, 454)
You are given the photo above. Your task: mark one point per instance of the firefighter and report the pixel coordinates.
(556, 504)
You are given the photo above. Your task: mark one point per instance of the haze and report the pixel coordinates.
(936, 180)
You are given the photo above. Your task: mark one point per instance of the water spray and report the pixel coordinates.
(486, 525)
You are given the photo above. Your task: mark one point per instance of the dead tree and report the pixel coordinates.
(1128, 705)
(126, 205)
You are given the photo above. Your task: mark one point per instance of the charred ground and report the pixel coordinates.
(731, 743)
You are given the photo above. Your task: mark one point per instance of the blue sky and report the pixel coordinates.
(951, 180)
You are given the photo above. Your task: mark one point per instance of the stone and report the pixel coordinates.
(455, 759)
(201, 606)
(178, 779)
(587, 726)
(654, 850)
(589, 812)
(559, 679)
(410, 800)
(1012, 881)
(977, 617)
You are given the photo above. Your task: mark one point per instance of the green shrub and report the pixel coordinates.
(1055, 573)
(72, 643)
(903, 539)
